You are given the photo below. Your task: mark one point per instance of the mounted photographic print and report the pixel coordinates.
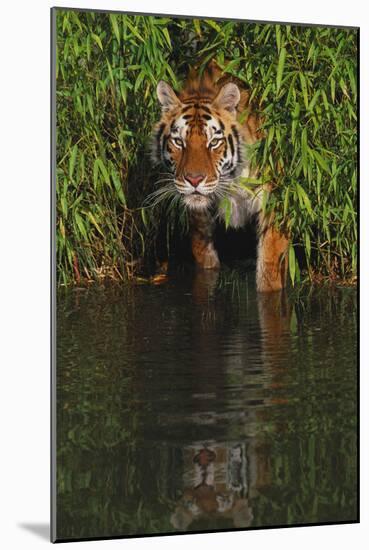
(204, 265)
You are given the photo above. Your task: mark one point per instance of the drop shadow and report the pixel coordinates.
(42, 530)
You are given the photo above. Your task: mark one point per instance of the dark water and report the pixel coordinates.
(198, 405)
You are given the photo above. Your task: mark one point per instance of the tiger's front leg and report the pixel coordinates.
(272, 258)
(202, 230)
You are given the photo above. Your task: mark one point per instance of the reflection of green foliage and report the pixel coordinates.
(300, 480)
(303, 81)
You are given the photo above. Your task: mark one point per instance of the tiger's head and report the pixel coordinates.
(198, 140)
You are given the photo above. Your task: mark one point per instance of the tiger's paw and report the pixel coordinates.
(269, 286)
(271, 280)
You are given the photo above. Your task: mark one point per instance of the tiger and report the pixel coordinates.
(215, 486)
(200, 140)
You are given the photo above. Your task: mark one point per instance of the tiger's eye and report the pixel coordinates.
(178, 142)
(214, 142)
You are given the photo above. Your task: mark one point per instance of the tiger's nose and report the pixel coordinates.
(194, 179)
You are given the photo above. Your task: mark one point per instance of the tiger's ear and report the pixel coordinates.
(228, 97)
(167, 96)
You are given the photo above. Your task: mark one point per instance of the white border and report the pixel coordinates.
(24, 230)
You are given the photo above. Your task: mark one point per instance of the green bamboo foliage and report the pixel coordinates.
(303, 82)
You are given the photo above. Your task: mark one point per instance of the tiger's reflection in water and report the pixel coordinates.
(220, 478)
(215, 478)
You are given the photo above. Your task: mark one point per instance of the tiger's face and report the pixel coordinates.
(199, 143)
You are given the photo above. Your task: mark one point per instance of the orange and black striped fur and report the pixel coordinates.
(200, 143)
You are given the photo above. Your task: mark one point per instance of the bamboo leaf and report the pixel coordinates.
(281, 62)
(72, 160)
(305, 199)
(97, 40)
(320, 160)
(144, 217)
(304, 150)
(313, 101)
(93, 220)
(226, 206)
(80, 225)
(333, 89)
(214, 25)
(139, 80)
(96, 174)
(103, 170)
(285, 202)
(118, 187)
(134, 30)
(196, 24)
(307, 244)
(292, 264)
(114, 24)
(167, 36)
(304, 90)
(295, 121)
(278, 37)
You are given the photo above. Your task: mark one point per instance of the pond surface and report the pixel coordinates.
(198, 404)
